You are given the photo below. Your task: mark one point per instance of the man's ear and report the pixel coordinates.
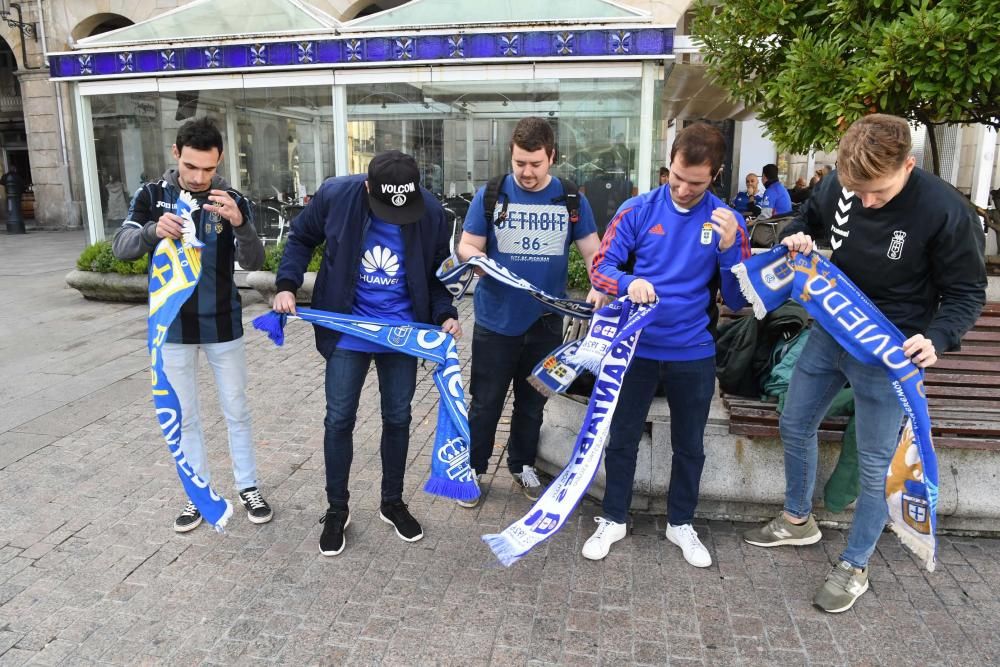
(177, 153)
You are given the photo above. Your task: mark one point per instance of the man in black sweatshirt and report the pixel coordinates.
(911, 243)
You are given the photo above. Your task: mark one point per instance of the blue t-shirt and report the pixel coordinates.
(780, 200)
(533, 242)
(381, 290)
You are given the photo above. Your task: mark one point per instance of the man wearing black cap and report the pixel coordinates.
(385, 237)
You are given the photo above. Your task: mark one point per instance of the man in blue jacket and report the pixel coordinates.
(684, 240)
(775, 192)
(385, 237)
(748, 201)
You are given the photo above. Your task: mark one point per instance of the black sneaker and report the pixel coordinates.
(258, 511)
(335, 522)
(406, 526)
(189, 519)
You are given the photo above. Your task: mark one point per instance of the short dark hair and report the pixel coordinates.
(698, 144)
(664, 171)
(532, 133)
(200, 134)
(770, 172)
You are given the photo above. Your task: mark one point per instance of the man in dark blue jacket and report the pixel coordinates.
(385, 237)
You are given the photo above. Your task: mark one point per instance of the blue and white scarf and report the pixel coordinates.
(174, 271)
(615, 330)
(457, 277)
(769, 279)
(451, 475)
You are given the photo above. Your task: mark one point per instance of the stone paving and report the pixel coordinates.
(91, 571)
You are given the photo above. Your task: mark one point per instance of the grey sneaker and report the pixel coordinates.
(529, 482)
(475, 501)
(780, 531)
(843, 586)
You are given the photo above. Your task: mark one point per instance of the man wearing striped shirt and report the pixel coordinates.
(211, 320)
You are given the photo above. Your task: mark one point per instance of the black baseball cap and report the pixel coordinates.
(394, 188)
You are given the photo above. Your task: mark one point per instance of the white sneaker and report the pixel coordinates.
(607, 533)
(475, 501)
(530, 484)
(686, 538)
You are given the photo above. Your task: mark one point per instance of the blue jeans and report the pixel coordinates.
(689, 386)
(822, 370)
(498, 360)
(229, 364)
(345, 377)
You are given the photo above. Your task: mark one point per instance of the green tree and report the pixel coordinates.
(809, 68)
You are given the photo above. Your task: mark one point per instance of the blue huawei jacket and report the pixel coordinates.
(678, 253)
(338, 214)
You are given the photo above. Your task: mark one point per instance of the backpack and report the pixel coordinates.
(571, 198)
(744, 349)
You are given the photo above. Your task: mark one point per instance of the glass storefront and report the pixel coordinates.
(281, 142)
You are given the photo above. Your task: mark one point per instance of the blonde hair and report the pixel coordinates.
(872, 148)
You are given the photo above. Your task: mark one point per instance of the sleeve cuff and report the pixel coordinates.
(940, 340)
(286, 286)
(623, 284)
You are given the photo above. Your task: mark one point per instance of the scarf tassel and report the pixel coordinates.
(273, 324)
(451, 489)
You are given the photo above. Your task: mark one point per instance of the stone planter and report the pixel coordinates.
(109, 286)
(263, 282)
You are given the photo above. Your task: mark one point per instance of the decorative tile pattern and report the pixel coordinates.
(213, 57)
(354, 50)
(168, 59)
(258, 54)
(564, 43)
(621, 42)
(376, 51)
(304, 53)
(510, 44)
(403, 48)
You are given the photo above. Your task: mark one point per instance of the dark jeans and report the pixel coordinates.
(496, 361)
(345, 377)
(689, 387)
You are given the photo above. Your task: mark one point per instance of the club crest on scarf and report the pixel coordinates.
(864, 332)
(457, 278)
(174, 271)
(451, 476)
(613, 335)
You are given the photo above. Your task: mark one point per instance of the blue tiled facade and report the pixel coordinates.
(360, 50)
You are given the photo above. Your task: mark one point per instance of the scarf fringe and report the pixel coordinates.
(220, 525)
(502, 548)
(451, 489)
(748, 292)
(920, 549)
(542, 388)
(273, 324)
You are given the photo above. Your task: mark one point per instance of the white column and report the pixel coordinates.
(317, 153)
(88, 158)
(982, 169)
(646, 98)
(470, 154)
(233, 141)
(340, 138)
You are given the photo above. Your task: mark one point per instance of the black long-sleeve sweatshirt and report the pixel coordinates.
(919, 258)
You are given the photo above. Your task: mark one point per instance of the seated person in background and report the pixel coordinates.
(748, 201)
(664, 175)
(775, 192)
(801, 191)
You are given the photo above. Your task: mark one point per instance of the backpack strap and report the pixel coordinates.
(490, 196)
(571, 198)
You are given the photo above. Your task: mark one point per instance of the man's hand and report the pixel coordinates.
(599, 299)
(220, 202)
(798, 242)
(170, 226)
(725, 225)
(641, 291)
(920, 350)
(451, 326)
(284, 302)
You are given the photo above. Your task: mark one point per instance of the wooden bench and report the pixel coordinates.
(963, 394)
